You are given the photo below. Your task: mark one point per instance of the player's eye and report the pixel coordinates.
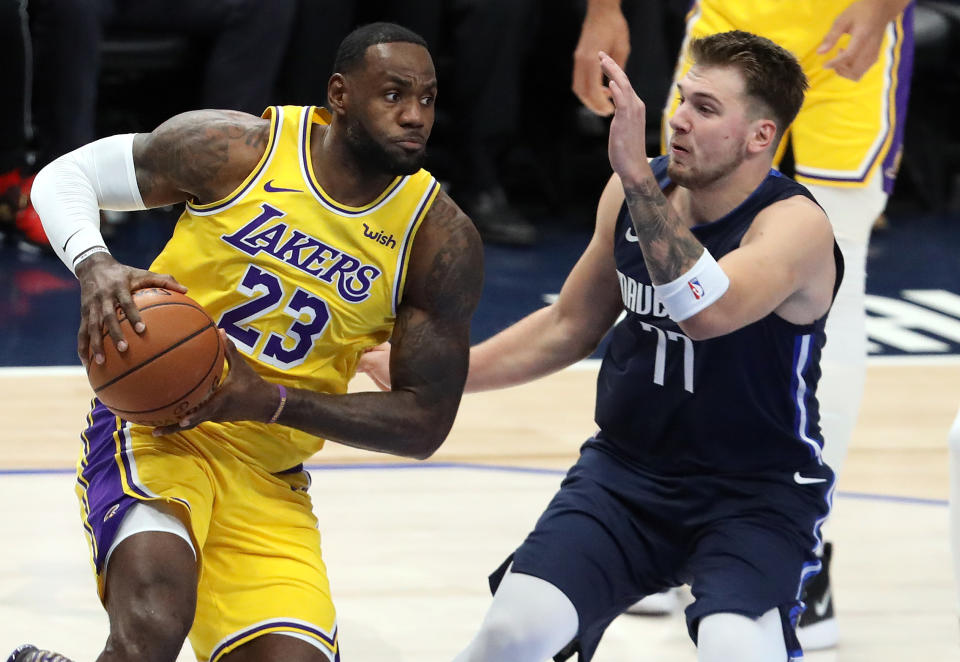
(392, 97)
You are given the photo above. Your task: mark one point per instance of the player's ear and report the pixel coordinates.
(337, 94)
(763, 135)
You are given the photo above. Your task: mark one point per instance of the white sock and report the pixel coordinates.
(529, 620)
(728, 637)
(954, 443)
(852, 213)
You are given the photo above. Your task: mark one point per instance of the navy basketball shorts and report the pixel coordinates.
(615, 533)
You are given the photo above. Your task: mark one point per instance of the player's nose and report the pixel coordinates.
(679, 122)
(413, 114)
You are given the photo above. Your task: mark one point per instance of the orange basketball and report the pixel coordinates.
(169, 369)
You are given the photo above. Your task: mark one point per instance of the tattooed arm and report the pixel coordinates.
(669, 248)
(431, 340)
(201, 155)
(431, 345)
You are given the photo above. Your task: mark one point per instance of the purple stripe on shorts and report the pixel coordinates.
(891, 162)
(106, 502)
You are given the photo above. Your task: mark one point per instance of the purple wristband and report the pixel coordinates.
(283, 403)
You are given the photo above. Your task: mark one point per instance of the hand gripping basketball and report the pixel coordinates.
(169, 369)
(243, 395)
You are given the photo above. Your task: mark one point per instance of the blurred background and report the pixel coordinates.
(512, 143)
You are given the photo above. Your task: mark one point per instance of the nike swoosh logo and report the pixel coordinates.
(68, 240)
(804, 480)
(632, 235)
(820, 607)
(270, 188)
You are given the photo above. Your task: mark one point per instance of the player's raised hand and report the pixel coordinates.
(105, 286)
(375, 363)
(627, 146)
(865, 21)
(243, 395)
(604, 29)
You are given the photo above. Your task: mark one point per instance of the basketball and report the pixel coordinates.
(169, 369)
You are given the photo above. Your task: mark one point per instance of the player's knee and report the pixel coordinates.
(149, 632)
(151, 614)
(530, 619)
(502, 638)
(714, 643)
(725, 637)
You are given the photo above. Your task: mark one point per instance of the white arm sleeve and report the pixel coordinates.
(69, 193)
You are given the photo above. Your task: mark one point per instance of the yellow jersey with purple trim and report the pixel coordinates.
(301, 283)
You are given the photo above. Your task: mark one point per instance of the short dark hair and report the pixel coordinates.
(771, 73)
(354, 46)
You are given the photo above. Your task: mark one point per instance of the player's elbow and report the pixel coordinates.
(426, 444)
(428, 436)
(426, 450)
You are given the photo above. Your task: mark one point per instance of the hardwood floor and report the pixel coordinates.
(408, 545)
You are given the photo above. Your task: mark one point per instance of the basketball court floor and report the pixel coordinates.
(408, 545)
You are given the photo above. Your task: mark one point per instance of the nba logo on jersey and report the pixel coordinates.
(696, 288)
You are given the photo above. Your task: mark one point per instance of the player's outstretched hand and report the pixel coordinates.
(604, 29)
(375, 363)
(242, 396)
(865, 21)
(627, 146)
(105, 286)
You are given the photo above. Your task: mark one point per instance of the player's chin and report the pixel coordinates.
(677, 157)
(407, 162)
(683, 175)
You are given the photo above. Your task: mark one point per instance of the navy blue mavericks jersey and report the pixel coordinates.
(743, 402)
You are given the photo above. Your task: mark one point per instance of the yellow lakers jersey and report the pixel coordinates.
(301, 283)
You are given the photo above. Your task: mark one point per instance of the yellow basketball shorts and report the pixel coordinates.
(257, 542)
(846, 130)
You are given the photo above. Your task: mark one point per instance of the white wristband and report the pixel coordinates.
(69, 193)
(701, 286)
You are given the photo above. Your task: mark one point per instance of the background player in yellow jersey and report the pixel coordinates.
(309, 236)
(846, 140)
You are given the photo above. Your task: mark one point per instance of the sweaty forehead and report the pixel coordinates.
(399, 59)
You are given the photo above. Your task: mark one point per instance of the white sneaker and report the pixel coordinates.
(657, 604)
